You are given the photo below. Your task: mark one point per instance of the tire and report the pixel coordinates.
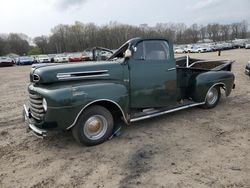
(94, 126)
(212, 97)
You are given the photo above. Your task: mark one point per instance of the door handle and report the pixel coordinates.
(171, 69)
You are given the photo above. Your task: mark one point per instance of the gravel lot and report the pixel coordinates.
(190, 148)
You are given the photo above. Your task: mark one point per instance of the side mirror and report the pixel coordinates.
(128, 54)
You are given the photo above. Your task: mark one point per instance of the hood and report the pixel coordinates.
(51, 73)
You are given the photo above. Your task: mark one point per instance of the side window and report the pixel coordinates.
(138, 51)
(156, 50)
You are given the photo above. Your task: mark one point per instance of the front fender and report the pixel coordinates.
(114, 93)
(66, 103)
(104, 91)
(205, 81)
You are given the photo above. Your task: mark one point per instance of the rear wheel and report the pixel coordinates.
(212, 98)
(95, 125)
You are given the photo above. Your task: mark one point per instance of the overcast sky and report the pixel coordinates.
(37, 17)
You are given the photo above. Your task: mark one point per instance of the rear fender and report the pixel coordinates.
(207, 80)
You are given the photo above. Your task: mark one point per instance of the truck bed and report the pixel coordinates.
(191, 63)
(189, 68)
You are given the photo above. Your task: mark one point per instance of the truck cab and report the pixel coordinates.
(152, 74)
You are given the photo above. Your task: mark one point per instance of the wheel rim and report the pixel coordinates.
(212, 96)
(95, 127)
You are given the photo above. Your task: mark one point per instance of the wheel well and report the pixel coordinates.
(112, 107)
(223, 86)
(220, 85)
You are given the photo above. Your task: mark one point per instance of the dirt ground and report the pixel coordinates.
(190, 148)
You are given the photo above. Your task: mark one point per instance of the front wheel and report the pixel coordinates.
(212, 98)
(94, 126)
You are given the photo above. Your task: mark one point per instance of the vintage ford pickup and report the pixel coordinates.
(141, 80)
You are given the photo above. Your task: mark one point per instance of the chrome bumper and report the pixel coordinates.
(41, 133)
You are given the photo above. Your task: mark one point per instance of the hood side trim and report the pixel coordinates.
(79, 75)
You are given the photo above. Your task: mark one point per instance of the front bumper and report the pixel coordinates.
(41, 133)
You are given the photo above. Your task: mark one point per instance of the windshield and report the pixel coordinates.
(120, 52)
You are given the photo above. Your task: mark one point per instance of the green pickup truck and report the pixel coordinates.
(141, 80)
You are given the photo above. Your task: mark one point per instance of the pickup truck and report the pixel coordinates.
(141, 80)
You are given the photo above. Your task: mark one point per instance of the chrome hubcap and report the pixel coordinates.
(212, 96)
(95, 127)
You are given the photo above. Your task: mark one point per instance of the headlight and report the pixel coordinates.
(45, 107)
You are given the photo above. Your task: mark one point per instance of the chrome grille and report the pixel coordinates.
(36, 107)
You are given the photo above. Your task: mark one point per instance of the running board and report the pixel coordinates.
(166, 112)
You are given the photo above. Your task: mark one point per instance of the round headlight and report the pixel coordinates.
(45, 107)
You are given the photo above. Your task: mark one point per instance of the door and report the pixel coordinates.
(152, 75)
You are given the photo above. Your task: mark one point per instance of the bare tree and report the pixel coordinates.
(225, 30)
(215, 30)
(15, 44)
(235, 30)
(202, 32)
(42, 42)
(2, 46)
(179, 32)
(243, 29)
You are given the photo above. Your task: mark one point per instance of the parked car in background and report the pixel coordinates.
(247, 46)
(25, 60)
(75, 57)
(179, 50)
(32, 56)
(52, 57)
(12, 56)
(247, 69)
(208, 48)
(98, 53)
(61, 58)
(227, 45)
(87, 57)
(239, 43)
(188, 48)
(197, 49)
(43, 59)
(6, 61)
(212, 46)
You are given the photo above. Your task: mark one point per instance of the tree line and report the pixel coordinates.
(14, 43)
(79, 36)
